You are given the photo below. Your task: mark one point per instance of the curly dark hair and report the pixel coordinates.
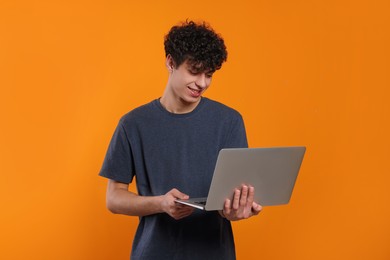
(198, 44)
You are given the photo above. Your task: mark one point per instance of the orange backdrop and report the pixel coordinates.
(312, 73)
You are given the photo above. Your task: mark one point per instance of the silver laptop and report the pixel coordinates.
(271, 171)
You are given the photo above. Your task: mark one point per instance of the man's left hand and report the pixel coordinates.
(242, 206)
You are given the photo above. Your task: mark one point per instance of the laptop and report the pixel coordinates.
(271, 171)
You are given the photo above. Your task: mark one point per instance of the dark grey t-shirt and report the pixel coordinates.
(165, 151)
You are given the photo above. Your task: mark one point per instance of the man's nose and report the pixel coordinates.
(201, 81)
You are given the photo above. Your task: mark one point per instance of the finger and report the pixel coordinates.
(227, 207)
(185, 213)
(189, 211)
(184, 209)
(244, 195)
(236, 199)
(251, 195)
(180, 212)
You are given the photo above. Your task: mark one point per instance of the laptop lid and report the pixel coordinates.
(272, 171)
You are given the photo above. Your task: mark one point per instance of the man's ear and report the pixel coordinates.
(169, 63)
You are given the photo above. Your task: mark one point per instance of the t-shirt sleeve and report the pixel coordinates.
(118, 163)
(237, 135)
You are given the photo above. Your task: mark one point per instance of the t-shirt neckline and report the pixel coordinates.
(166, 112)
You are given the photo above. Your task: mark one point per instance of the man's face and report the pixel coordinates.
(188, 82)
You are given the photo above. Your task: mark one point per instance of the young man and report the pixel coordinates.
(171, 146)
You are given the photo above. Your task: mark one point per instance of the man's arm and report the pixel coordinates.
(242, 206)
(120, 200)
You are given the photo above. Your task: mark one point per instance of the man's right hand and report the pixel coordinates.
(121, 201)
(174, 209)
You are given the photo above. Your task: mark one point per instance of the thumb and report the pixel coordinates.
(178, 194)
(256, 207)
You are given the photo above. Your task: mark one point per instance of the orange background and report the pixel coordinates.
(312, 73)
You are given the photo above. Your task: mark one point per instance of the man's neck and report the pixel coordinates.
(177, 106)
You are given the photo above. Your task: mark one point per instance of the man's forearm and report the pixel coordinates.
(122, 201)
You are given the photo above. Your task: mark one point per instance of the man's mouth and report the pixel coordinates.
(195, 92)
